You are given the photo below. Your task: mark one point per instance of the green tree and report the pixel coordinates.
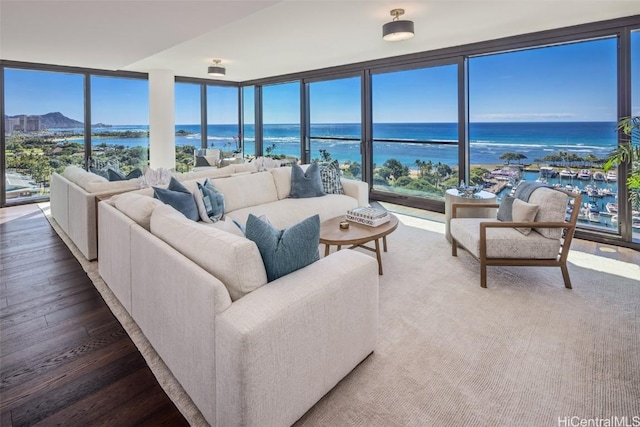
(396, 168)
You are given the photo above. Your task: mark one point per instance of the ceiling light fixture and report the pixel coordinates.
(397, 30)
(217, 69)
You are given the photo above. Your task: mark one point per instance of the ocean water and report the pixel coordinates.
(401, 141)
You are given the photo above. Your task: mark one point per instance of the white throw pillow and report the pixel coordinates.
(523, 212)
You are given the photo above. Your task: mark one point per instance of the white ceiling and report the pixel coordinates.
(264, 38)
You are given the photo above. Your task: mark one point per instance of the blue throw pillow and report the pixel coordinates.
(136, 173)
(306, 184)
(288, 250)
(213, 200)
(505, 209)
(179, 198)
(114, 175)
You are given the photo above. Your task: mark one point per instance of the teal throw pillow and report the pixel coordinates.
(100, 172)
(288, 250)
(306, 184)
(114, 175)
(213, 200)
(136, 173)
(179, 198)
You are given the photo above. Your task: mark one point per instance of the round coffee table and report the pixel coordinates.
(356, 235)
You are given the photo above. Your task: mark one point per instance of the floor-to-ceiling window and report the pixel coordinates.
(188, 124)
(44, 130)
(281, 120)
(635, 111)
(548, 114)
(120, 123)
(335, 116)
(415, 131)
(248, 122)
(222, 119)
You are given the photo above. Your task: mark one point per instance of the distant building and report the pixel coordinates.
(22, 123)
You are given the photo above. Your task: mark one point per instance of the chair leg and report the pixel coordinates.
(483, 275)
(454, 247)
(565, 276)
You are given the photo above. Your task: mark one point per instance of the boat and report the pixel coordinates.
(612, 207)
(548, 172)
(599, 176)
(568, 173)
(612, 176)
(584, 174)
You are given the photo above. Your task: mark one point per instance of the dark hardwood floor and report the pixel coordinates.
(64, 358)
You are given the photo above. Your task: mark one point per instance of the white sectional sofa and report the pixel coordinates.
(248, 352)
(73, 200)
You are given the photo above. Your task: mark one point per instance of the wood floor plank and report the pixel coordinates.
(57, 399)
(64, 357)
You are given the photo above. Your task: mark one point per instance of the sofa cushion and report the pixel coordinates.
(286, 212)
(137, 207)
(178, 196)
(552, 207)
(242, 191)
(502, 242)
(282, 179)
(288, 250)
(210, 202)
(523, 212)
(330, 177)
(81, 177)
(306, 184)
(234, 260)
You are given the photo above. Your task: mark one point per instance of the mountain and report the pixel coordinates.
(58, 120)
(53, 120)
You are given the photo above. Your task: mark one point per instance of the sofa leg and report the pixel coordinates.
(565, 276)
(483, 275)
(454, 247)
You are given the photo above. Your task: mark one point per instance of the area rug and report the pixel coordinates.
(525, 351)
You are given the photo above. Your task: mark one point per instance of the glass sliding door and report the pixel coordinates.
(120, 123)
(548, 114)
(222, 120)
(44, 130)
(635, 111)
(415, 131)
(188, 124)
(335, 123)
(281, 120)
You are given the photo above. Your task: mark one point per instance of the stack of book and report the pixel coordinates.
(368, 216)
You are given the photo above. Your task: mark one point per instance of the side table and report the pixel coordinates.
(453, 196)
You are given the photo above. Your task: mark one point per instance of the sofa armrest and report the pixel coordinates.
(282, 347)
(359, 190)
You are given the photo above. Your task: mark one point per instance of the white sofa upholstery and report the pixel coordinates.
(260, 358)
(73, 200)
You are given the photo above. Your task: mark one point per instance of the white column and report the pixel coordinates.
(162, 128)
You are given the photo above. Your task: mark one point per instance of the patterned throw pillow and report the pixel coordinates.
(179, 197)
(288, 250)
(210, 202)
(330, 176)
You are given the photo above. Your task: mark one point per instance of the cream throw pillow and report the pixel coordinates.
(523, 212)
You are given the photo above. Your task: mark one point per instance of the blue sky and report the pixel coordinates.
(575, 82)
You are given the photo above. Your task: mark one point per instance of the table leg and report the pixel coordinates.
(326, 250)
(379, 257)
(384, 243)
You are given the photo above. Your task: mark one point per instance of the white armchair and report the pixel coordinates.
(506, 243)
